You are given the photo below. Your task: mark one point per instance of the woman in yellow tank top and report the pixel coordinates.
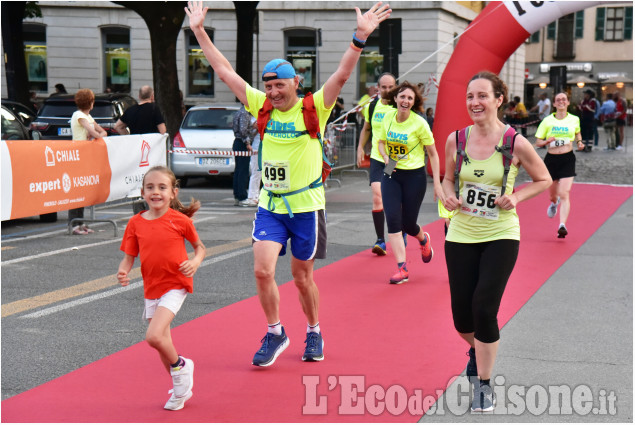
(480, 262)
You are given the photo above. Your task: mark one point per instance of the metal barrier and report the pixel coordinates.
(137, 202)
(341, 147)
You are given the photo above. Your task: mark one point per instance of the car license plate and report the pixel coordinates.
(64, 131)
(213, 161)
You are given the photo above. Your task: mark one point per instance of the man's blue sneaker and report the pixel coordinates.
(272, 346)
(380, 247)
(314, 347)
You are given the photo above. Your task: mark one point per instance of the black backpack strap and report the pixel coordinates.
(461, 156)
(507, 150)
(371, 111)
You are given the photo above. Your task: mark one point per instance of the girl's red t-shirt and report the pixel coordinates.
(160, 244)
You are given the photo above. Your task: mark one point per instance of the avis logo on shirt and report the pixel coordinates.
(479, 173)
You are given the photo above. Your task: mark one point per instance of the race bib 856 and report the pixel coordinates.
(478, 200)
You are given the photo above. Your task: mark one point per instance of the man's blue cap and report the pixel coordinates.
(280, 67)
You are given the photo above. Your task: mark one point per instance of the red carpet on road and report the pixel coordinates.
(381, 341)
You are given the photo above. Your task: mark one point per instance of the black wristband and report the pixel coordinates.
(358, 43)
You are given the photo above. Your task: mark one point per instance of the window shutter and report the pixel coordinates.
(579, 24)
(599, 23)
(628, 23)
(551, 31)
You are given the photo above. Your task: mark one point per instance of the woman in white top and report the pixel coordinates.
(83, 127)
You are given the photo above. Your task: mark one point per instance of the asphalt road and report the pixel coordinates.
(62, 307)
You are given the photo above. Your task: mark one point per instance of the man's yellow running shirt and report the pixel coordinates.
(290, 162)
(379, 113)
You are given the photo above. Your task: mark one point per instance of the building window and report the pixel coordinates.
(200, 75)
(301, 53)
(614, 23)
(371, 64)
(579, 24)
(551, 31)
(35, 56)
(116, 44)
(614, 30)
(534, 38)
(565, 44)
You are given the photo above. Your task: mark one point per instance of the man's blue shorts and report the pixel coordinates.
(307, 232)
(376, 171)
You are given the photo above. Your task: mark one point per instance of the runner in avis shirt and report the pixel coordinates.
(560, 131)
(291, 161)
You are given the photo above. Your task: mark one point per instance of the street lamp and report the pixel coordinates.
(619, 84)
(542, 85)
(580, 84)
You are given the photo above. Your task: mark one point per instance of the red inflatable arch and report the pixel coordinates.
(488, 42)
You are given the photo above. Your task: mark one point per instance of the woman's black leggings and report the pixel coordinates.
(402, 195)
(478, 274)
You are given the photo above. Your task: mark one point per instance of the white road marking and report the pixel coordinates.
(134, 285)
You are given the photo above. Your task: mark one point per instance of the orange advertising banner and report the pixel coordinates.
(56, 175)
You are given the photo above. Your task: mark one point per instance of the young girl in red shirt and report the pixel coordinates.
(158, 236)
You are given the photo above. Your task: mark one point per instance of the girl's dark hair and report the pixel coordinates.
(418, 105)
(175, 204)
(500, 89)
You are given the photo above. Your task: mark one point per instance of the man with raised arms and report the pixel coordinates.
(291, 204)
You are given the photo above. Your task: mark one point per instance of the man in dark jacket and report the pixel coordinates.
(142, 118)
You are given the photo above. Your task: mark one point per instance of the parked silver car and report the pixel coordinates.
(201, 146)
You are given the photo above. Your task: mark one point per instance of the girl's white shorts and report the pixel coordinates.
(172, 300)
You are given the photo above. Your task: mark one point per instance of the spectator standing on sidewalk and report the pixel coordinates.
(83, 127)
(596, 121)
(607, 117)
(521, 115)
(365, 99)
(143, 118)
(430, 117)
(59, 89)
(255, 177)
(543, 106)
(587, 120)
(244, 133)
(620, 120)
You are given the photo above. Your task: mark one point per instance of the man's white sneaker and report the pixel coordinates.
(183, 378)
(553, 208)
(177, 403)
(619, 147)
